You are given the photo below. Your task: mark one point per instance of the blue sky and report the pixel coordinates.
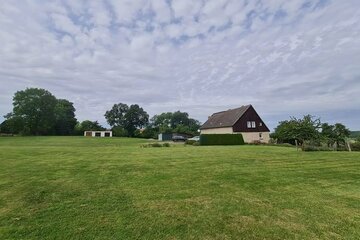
(287, 58)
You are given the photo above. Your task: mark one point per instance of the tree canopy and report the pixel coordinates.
(177, 122)
(64, 117)
(129, 118)
(87, 125)
(304, 129)
(311, 129)
(37, 112)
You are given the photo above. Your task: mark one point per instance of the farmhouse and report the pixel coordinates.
(98, 133)
(244, 120)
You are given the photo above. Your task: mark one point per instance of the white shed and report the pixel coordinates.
(98, 133)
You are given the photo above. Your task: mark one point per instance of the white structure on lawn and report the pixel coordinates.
(98, 133)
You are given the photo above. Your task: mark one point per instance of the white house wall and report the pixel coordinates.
(254, 136)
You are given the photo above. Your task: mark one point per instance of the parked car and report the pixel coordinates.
(196, 138)
(179, 139)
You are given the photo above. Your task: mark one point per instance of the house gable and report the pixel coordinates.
(250, 115)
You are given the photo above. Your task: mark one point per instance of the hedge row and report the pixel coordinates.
(221, 139)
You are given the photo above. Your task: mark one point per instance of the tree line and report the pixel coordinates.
(38, 112)
(310, 131)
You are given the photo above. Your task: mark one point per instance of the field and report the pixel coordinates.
(87, 188)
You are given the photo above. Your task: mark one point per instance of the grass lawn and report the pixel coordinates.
(92, 188)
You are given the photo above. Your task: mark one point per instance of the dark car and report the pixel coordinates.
(179, 139)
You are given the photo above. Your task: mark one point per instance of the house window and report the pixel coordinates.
(260, 124)
(260, 136)
(251, 124)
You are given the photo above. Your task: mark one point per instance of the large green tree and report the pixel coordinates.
(35, 108)
(37, 112)
(305, 129)
(65, 117)
(178, 122)
(116, 115)
(334, 133)
(127, 117)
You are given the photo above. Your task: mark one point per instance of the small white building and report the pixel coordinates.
(98, 133)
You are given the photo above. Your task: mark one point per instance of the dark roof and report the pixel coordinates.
(225, 118)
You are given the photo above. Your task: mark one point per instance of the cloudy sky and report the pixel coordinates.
(284, 57)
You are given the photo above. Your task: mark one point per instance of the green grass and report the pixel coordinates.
(91, 188)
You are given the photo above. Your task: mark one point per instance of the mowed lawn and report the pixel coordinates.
(92, 188)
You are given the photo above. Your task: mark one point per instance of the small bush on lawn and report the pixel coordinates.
(311, 148)
(190, 142)
(196, 143)
(155, 145)
(221, 139)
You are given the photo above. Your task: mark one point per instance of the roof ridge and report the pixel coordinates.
(226, 118)
(231, 109)
(241, 114)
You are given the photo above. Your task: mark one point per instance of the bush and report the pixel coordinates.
(221, 139)
(312, 148)
(196, 143)
(155, 145)
(119, 132)
(190, 142)
(355, 146)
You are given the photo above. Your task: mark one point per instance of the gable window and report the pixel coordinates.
(260, 124)
(248, 124)
(253, 125)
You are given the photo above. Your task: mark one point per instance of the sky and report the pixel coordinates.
(286, 58)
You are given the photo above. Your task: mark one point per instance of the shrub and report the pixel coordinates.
(119, 132)
(312, 148)
(154, 145)
(196, 143)
(166, 145)
(221, 139)
(355, 146)
(190, 142)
